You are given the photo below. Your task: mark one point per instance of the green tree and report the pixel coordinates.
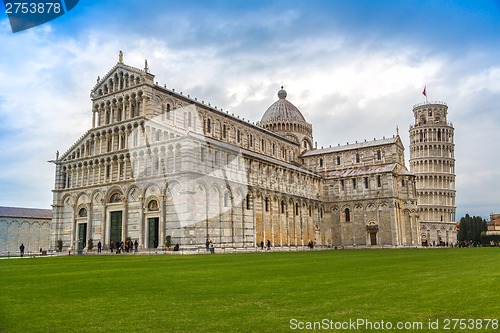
(471, 228)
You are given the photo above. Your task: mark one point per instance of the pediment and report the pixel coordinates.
(121, 77)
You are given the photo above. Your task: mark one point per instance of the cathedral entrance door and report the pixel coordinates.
(115, 233)
(82, 235)
(153, 231)
(373, 238)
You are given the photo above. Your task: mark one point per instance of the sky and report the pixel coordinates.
(355, 69)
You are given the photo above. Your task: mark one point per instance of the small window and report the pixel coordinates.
(238, 136)
(379, 181)
(354, 183)
(224, 131)
(168, 111)
(379, 155)
(226, 199)
(366, 182)
(403, 182)
(320, 162)
(209, 126)
(357, 158)
(282, 207)
(266, 204)
(338, 160)
(347, 215)
(202, 154)
(342, 185)
(296, 209)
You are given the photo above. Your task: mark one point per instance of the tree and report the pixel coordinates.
(471, 228)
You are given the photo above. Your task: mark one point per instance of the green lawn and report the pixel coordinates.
(255, 292)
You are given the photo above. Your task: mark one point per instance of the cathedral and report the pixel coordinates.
(160, 167)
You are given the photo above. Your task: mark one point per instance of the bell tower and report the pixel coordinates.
(432, 161)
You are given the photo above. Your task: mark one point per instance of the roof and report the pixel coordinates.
(253, 154)
(34, 213)
(361, 171)
(282, 110)
(352, 146)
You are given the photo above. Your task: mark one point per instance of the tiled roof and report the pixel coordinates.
(34, 213)
(362, 171)
(351, 146)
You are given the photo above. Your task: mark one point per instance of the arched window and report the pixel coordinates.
(379, 155)
(248, 201)
(168, 111)
(226, 199)
(82, 212)
(209, 125)
(347, 215)
(153, 205)
(296, 209)
(320, 162)
(338, 160)
(266, 204)
(357, 158)
(282, 207)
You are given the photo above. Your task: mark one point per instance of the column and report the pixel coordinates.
(125, 219)
(142, 238)
(161, 240)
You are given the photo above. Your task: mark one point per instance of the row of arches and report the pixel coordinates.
(119, 81)
(118, 109)
(430, 151)
(233, 216)
(287, 126)
(419, 135)
(433, 166)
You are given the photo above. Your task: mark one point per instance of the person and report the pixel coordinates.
(262, 245)
(176, 247)
(99, 247)
(211, 245)
(21, 249)
(207, 245)
(136, 245)
(268, 245)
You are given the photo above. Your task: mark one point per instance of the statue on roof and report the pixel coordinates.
(120, 57)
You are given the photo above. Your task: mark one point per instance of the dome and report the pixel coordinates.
(282, 110)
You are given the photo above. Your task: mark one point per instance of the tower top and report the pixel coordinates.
(120, 57)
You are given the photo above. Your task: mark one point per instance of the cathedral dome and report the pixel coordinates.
(282, 110)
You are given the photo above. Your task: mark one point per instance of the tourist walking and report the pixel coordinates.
(211, 245)
(99, 247)
(21, 249)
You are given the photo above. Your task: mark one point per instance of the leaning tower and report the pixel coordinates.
(432, 161)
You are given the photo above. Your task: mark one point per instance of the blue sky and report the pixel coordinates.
(354, 68)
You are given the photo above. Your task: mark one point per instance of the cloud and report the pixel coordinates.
(354, 72)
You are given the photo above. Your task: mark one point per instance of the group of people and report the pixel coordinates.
(209, 245)
(122, 247)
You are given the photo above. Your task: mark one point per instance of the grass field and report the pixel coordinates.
(256, 292)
